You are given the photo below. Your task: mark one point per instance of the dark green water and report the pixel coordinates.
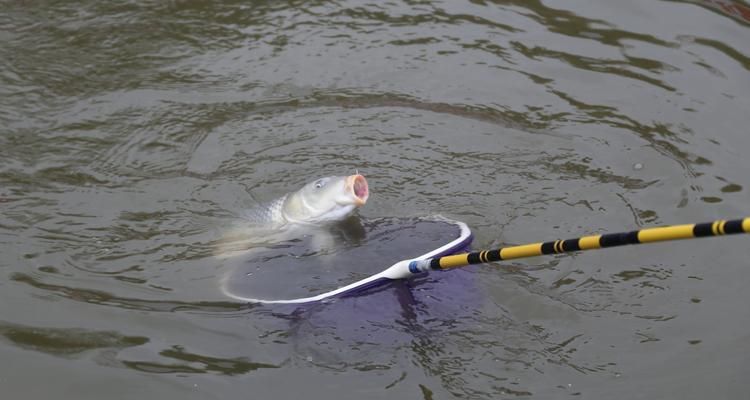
(131, 132)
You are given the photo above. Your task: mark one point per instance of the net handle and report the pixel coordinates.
(648, 235)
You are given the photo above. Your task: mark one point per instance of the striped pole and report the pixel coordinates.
(649, 235)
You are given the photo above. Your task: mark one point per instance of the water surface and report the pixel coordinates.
(131, 134)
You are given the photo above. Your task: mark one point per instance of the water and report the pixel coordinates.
(131, 133)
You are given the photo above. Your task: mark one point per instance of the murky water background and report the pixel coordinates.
(131, 133)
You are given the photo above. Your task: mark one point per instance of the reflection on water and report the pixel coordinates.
(133, 135)
(104, 298)
(66, 341)
(186, 364)
(69, 342)
(734, 9)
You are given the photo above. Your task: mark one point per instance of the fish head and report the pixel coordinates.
(326, 199)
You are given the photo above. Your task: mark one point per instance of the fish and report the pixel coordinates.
(324, 200)
(306, 212)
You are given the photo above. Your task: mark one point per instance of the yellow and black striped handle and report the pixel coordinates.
(648, 235)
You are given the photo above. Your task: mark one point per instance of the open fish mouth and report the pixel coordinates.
(357, 185)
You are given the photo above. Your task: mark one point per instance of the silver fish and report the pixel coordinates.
(327, 199)
(304, 212)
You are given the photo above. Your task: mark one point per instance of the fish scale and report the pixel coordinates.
(266, 213)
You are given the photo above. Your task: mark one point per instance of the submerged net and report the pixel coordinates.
(312, 267)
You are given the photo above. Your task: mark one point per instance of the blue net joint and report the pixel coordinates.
(419, 266)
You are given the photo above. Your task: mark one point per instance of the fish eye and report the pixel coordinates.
(320, 183)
